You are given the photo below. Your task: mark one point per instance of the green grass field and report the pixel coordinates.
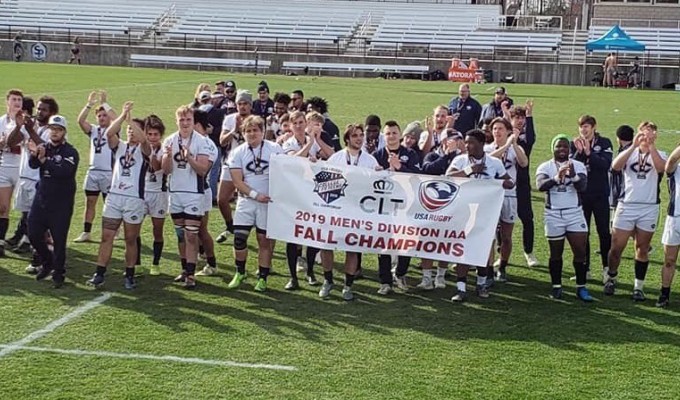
(517, 344)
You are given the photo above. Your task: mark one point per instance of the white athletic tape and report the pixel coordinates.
(149, 357)
(12, 347)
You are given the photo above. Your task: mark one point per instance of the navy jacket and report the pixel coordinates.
(437, 164)
(263, 110)
(470, 111)
(598, 163)
(526, 142)
(57, 186)
(410, 161)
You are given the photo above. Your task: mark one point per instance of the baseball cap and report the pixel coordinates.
(230, 85)
(57, 120)
(500, 90)
(204, 95)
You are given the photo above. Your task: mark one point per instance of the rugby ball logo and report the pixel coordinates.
(435, 195)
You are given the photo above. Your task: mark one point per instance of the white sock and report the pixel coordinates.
(481, 280)
(460, 286)
(441, 272)
(639, 284)
(427, 274)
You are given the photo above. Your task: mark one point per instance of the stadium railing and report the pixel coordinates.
(248, 64)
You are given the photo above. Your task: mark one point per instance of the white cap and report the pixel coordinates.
(204, 95)
(57, 120)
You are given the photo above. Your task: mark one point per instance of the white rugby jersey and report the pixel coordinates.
(641, 181)
(213, 156)
(292, 145)
(25, 171)
(564, 195)
(509, 160)
(254, 163)
(183, 178)
(494, 167)
(363, 159)
(129, 171)
(11, 157)
(156, 181)
(101, 155)
(674, 198)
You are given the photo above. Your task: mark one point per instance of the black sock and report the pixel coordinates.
(100, 270)
(87, 227)
(263, 272)
(201, 249)
(503, 265)
(328, 276)
(139, 251)
(482, 271)
(614, 274)
(291, 258)
(184, 264)
(241, 266)
(191, 269)
(349, 280)
(212, 262)
(555, 268)
(230, 226)
(666, 291)
(311, 257)
(641, 269)
(580, 269)
(157, 251)
(130, 272)
(4, 224)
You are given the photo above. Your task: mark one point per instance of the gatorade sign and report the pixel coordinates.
(459, 72)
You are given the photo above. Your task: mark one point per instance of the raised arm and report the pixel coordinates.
(673, 160)
(620, 161)
(166, 160)
(82, 117)
(111, 132)
(102, 100)
(522, 159)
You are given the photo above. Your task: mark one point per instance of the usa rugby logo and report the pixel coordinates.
(435, 195)
(329, 185)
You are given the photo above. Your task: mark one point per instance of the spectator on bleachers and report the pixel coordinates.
(466, 110)
(373, 140)
(332, 138)
(229, 102)
(495, 107)
(298, 101)
(201, 88)
(263, 106)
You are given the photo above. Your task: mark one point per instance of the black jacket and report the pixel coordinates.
(57, 186)
(470, 112)
(437, 164)
(526, 142)
(410, 161)
(598, 163)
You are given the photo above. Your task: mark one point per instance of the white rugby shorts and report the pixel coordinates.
(9, 176)
(627, 217)
(560, 222)
(251, 213)
(98, 181)
(156, 204)
(187, 203)
(129, 209)
(24, 195)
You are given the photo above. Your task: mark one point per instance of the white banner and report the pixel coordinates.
(356, 209)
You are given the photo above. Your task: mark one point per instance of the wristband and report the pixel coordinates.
(468, 170)
(253, 194)
(88, 106)
(106, 107)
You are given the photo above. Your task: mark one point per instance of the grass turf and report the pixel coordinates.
(517, 344)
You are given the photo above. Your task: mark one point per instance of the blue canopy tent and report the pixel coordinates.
(615, 39)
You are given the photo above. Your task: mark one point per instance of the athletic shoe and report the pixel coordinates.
(490, 282)
(311, 279)
(385, 289)
(459, 297)
(440, 282)
(292, 285)
(501, 276)
(639, 295)
(401, 283)
(155, 270)
(347, 294)
(222, 237)
(130, 283)
(583, 294)
(609, 287)
(13, 241)
(531, 260)
(482, 292)
(556, 293)
(605, 275)
(84, 237)
(663, 301)
(236, 280)
(189, 282)
(261, 285)
(97, 281)
(180, 278)
(325, 289)
(32, 269)
(57, 281)
(425, 284)
(207, 271)
(22, 248)
(589, 276)
(43, 273)
(301, 264)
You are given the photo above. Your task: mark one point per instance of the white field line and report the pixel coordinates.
(12, 347)
(135, 356)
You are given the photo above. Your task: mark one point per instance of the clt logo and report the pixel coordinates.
(382, 203)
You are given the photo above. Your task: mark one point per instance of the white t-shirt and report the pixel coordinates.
(293, 146)
(129, 171)
(11, 157)
(641, 181)
(25, 171)
(254, 163)
(562, 196)
(363, 159)
(229, 124)
(183, 178)
(509, 160)
(101, 155)
(156, 181)
(494, 168)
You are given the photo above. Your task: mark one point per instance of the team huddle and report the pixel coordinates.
(222, 149)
